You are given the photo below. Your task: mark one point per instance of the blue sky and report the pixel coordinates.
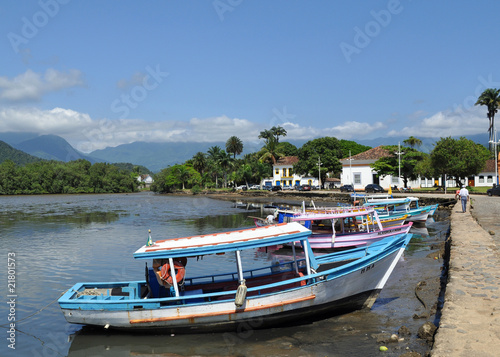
(105, 73)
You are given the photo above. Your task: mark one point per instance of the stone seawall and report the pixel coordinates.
(470, 321)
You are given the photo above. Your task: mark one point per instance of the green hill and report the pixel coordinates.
(19, 157)
(51, 147)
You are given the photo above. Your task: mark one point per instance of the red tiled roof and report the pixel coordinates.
(288, 160)
(489, 166)
(372, 154)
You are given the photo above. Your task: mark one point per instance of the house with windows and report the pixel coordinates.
(146, 180)
(356, 170)
(487, 177)
(284, 175)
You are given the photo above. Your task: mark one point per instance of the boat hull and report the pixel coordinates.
(333, 291)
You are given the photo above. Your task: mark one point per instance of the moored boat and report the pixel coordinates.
(347, 227)
(172, 300)
(392, 206)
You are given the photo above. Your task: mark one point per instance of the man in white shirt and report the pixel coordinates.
(464, 196)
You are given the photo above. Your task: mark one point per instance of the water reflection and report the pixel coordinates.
(61, 240)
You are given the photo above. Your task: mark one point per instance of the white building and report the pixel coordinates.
(146, 179)
(356, 170)
(284, 175)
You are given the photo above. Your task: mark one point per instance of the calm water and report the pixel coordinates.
(61, 240)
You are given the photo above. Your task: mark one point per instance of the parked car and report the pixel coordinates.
(255, 187)
(303, 188)
(495, 190)
(242, 187)
(346, 188)
(276, 188)
(287, 187)
(267, 187)
(373, 187)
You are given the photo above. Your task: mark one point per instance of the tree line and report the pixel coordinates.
(54, 177)
(455, 158)
(219, 168)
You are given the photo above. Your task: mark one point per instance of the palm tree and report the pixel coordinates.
(199, 161)
(491, 99)
(182, 174)
(277, 132)
(412, 142)
(267, 135)
(225, 162)
(214, 154)
(234, 146)
(270, 151)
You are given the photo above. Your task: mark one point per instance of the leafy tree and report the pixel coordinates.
(78, 176)
(234, 146)
(326, 149)
(412, 142)
(491, 99)
(288, 149)
(424, 168)
(353, 147)
(392, 165)
(458, 158)
(244, 173)
(175, 177)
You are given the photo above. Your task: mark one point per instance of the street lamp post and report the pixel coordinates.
(496, 156)
(350, 169)
(399, 153)
(319, 172)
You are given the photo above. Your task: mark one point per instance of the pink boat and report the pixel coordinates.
(346, 228)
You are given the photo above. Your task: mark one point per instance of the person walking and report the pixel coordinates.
(464, 196)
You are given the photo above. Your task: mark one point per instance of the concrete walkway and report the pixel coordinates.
(470, 322)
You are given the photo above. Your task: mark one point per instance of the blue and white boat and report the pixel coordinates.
(172, 300)
(390, 206)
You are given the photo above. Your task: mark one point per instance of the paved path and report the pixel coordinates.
(470, 322)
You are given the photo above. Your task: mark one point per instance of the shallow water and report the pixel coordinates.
(64, 239)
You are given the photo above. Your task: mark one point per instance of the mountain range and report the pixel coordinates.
(154, 156)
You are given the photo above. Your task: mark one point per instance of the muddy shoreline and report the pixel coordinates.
(419, 308)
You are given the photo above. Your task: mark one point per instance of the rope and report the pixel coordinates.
(36, 312)
(418, 297)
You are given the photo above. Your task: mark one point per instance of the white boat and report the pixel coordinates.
(297, 290)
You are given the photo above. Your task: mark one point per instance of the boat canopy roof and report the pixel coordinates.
(224, 242)
(334, 214)
(389, 201)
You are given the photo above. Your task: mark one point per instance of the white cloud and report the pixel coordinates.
(88, 134)
(448, 123)
(31, 86)
(351, 130)
(56, 121)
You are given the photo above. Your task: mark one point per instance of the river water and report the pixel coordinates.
(55, 241)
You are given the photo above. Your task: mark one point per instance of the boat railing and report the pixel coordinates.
(247, 274)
